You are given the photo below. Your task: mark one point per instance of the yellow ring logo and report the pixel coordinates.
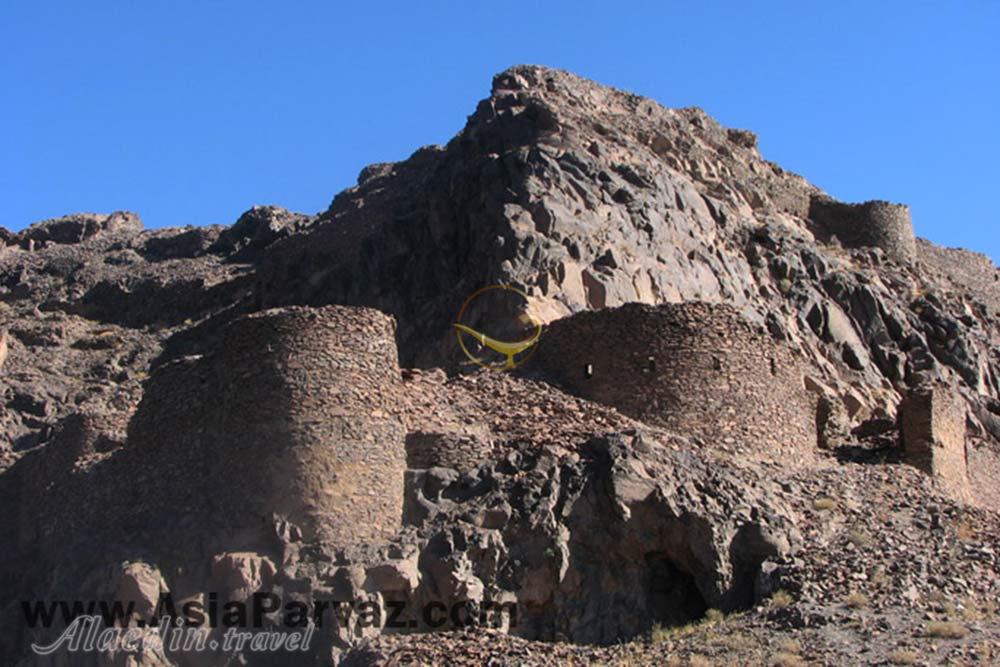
(509, 350)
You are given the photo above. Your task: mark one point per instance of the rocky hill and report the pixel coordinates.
(762, 426)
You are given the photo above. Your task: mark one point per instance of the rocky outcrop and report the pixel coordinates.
(77, 228)
(256, 229)
(710, 318)
(581, 205)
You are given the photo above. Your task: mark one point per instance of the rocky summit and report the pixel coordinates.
(760, 427)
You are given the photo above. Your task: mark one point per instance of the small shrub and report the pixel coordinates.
(971, 613)
(824, 504)
(714, 616)
(946, 630)
(937, 597)
(660, 633)
(782, 599)
(787, 660)
(790, 646)
(856, 601)
(903, 657)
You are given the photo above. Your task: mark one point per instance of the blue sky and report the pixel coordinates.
(191, 112)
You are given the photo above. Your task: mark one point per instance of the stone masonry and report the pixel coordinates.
(307, 421)
(293, 419)
(878, 224)
(698, 368)
(932, 426)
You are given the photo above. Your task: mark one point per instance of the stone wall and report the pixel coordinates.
(878, 224)
(700, 369)
(293, 418)
(307, 422)
(983, 456)
(459, 451)
(932, 426)
(973, 273)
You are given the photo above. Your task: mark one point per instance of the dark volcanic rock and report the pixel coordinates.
(178, 243)
(258, 228)
(182, 410)
(78, 227)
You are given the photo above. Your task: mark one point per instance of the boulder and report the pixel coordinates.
(140, 584)
(258, 228)
(238, 575)
(393, 576)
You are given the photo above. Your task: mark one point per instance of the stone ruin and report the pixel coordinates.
(932, 431)
(296, 419)
(877, 224)
(292, 421)
(697, 368)
(306, 422)
(458, 451)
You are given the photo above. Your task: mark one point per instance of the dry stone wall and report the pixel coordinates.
(698, 368)
(973, 273)
(462, 452)
(294, 419)
(932, 425)
(878, 224)
(307, 425)
(983, 457)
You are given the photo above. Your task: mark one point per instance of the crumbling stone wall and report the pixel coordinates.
(878, 224)
(983, 457)
(306, 422)
(697, 368)
(972, 272)
(932, 425)
(460, 451)
(291, 421)
(294, 418)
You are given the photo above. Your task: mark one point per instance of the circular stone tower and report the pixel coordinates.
(696, 368)
(306, 427)
(875, 224)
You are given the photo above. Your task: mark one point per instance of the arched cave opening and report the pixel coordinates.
(672, 596)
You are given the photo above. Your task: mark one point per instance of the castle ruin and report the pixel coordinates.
(306, 422)
(293, 418)
(697, 368)
(877, 224)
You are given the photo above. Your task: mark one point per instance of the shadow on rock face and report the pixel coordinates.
(672, 596)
